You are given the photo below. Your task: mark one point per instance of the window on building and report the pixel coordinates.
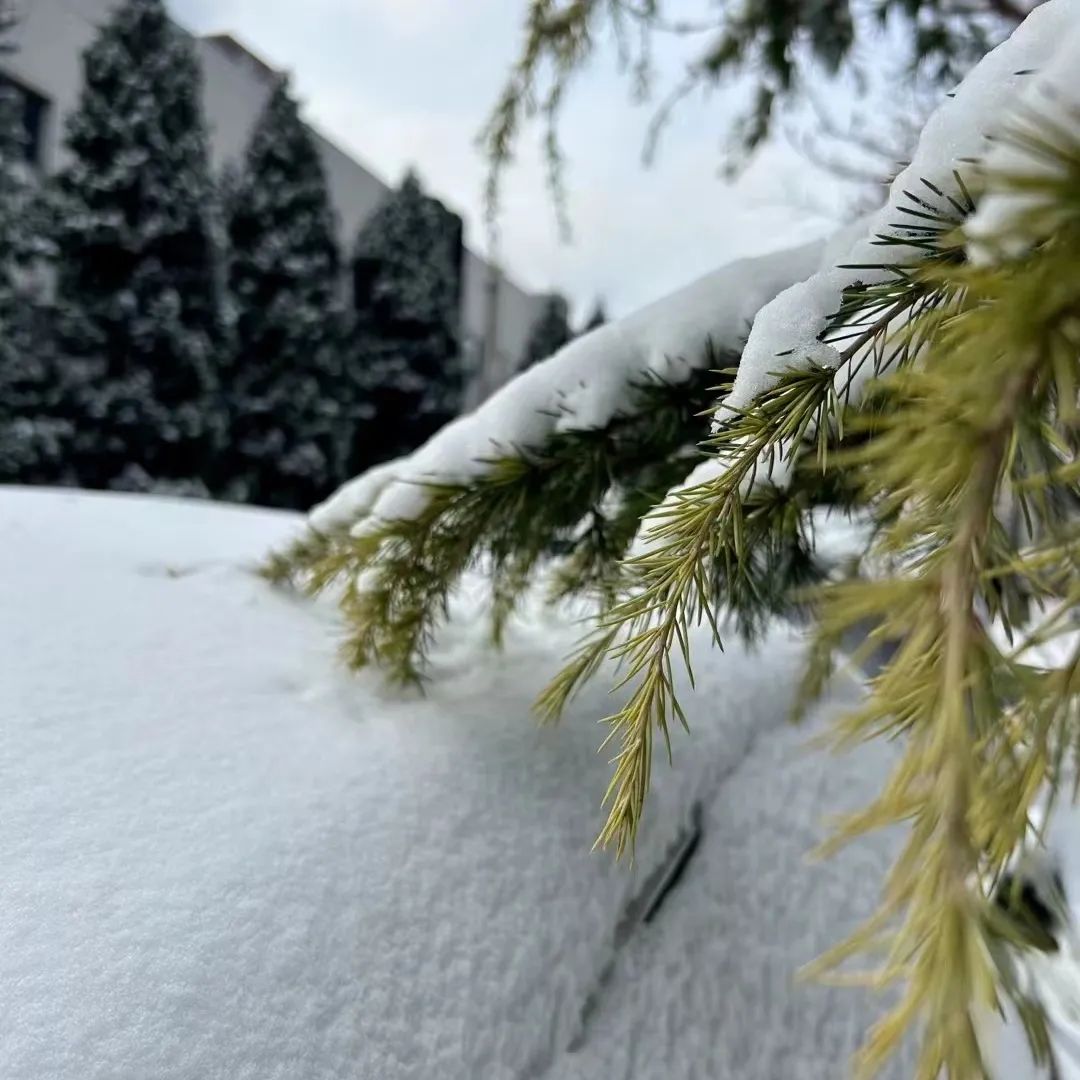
(35, 111)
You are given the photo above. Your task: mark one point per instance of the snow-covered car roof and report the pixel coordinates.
(223, 857)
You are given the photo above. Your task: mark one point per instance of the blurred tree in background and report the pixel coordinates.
(35, 444)
(140, 314)
(550, 332)
(597, 318)
(405, 354)
(284, 386)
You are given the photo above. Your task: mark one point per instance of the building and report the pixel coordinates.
(497, 315)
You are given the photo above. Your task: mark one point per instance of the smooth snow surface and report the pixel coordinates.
(582, 386)
(708, 994)
(224, 859)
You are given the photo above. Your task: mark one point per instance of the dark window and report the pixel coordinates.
(35, 110)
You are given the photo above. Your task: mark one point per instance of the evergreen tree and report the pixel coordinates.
(289, 436)
(597, 319)
(550, 332)
(34, 443)
(406, 361)
(137, 283)
(14, 195)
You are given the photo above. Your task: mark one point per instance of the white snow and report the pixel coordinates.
(223, 858)
(840, 539)
(957, 131)
(352, 500)
(708, 992)
(1050, 94)
(790, 325)
(1052, 978)
(582, 386)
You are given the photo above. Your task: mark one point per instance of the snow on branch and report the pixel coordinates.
(958, 134)
(582, 387)
(1032, 71)
(807, 352)
(1025, 168)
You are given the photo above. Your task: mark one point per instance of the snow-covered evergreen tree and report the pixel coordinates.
(405, 357)
(550, 332)
(289, 428)
(137, 284)
(14, 181)
(14, 195)
(918, 373)
(34, 442)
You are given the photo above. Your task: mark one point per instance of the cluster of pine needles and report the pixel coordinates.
(950, 426)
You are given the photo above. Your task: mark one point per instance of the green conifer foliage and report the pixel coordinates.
(405, 359)
(137, 282)
(289, 432)
(942, 409)
(34, 440)
(773, 44)
(14, 195)
(971, 422)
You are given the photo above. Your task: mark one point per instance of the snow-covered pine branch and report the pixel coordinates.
(956, 137)
(582, 387)
(975, 402)
(799, 328)
(563, 461)
(786, 298)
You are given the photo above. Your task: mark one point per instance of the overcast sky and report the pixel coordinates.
(409, 82)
